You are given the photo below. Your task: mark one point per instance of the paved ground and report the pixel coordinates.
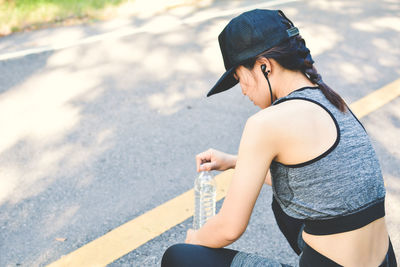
(103, 124)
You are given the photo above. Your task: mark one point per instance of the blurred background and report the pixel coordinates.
(25, 15)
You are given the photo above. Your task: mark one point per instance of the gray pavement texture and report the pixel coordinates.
(103, 124)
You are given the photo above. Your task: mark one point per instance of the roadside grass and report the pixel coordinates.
(22, 15)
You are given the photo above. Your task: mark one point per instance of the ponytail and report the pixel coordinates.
(313, 75)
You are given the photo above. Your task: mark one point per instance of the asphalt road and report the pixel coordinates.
(101, 122)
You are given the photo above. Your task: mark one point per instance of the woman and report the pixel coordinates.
(305, 142)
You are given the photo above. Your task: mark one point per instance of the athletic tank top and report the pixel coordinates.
(340, 190)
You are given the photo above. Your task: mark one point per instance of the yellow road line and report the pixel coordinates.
(138, 231)
(376, 99)
(153, 223)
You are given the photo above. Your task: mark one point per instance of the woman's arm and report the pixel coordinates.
(256, 152)
(215, 160)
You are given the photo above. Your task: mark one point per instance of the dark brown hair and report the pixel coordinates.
(294, 55)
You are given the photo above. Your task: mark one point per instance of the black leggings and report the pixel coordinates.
(193, 255)
(181, 255)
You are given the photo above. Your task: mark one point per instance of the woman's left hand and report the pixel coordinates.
(190, 236)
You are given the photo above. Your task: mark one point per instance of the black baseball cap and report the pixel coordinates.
(248, 35)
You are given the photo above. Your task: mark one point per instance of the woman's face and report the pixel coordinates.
(254, 85)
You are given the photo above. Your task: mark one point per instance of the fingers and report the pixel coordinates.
(199, 161)
(190, 236)
(208, 166)
(203, 158)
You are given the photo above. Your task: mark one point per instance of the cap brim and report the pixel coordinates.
(227, 81)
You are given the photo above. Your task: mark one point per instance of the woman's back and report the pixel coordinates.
(326, 167)
(310, 182)
(366, 246)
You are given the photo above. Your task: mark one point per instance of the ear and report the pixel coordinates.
(266, 62)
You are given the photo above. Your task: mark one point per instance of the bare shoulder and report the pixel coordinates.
(289, 121)
(267, 125)
(278, 117)
(294, 108)
(292, 112)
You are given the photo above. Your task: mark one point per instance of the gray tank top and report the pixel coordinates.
(340, 190)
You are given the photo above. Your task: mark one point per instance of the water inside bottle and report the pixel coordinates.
(205, 198)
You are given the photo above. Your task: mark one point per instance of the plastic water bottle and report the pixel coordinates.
(205, 191)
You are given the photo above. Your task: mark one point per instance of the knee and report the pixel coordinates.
(173, 255)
